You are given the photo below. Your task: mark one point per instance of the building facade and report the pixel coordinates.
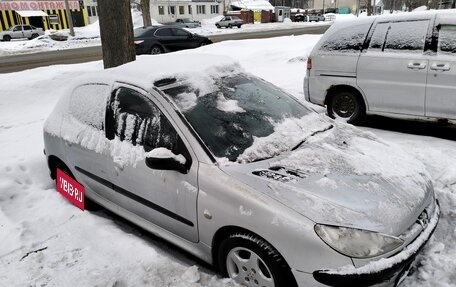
(168, 11)
(44, 14)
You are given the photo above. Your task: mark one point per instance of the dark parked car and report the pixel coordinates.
(162, 39)
(300, 18)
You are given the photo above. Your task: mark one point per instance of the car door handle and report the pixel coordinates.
(416, 66)
(440, 67)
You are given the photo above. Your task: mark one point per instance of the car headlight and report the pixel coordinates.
(357, 243)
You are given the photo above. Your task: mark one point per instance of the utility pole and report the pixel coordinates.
(69, 17)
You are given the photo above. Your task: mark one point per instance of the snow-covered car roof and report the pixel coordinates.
(147, 69)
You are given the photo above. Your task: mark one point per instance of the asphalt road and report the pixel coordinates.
(22, 62)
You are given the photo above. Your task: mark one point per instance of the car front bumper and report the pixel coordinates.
(383, 272)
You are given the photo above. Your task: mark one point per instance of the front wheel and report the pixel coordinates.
(7, 38)
(252, 262)
(230, 26)
(345, 105)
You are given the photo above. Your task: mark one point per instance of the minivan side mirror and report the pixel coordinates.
(166, 163)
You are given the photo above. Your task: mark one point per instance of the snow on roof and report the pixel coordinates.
(252, 4)
(147, 69)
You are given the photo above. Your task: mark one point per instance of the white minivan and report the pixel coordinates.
(397, 65)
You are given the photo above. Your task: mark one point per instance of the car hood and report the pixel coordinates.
(344, 176)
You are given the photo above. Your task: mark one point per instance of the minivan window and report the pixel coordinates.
(378, 37)
(348, 40)
(409, 36)
(447, 42)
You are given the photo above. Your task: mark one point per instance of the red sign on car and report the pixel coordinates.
(70, 189)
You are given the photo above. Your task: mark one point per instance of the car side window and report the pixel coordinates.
(163, 32)
(378, 37)
(17, 28)
(348, 40)
(88, 104)
(447, 43)
(409, 36)
(27, 28)
(134, 118)
(180, 32)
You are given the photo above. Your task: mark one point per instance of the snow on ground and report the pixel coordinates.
(47, 241)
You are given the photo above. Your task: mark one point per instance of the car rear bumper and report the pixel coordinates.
(383, 272)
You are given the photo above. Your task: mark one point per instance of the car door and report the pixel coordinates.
(27, 31)
(441, 80)
(17, 32)
(158, 193)
(85, 145)
(166, 37)
(184, 39)
(392, 71)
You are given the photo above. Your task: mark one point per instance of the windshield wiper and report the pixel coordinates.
(311, 135)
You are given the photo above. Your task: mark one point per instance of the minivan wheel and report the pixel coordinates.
(345, 105)
(251, 261)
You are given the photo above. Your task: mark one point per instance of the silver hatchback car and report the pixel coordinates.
(237, 172)
(398, 65)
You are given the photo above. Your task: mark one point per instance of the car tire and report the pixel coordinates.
(251, 261)
(7, 38)
(346, 106)
(155, 50)
(230, 26)
(217, 25)
(239, 26)
(34, 35)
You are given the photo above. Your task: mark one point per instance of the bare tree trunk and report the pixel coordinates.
(116, 31)
(145, 8)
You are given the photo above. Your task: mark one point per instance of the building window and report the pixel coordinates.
(190, 9)
(214, 9)
(54, 19)
(92, 11)
(181, 10)
(161, 10)
(171, 10)
(200, 9)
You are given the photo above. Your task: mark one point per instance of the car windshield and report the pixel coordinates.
(237, 110)
(186, 20)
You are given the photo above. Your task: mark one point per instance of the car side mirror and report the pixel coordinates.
(164, 159)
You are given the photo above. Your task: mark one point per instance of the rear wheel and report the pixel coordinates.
(7, 38)
(230, 26)
(34, 35)
(239, 26)
(155, 50)
(346, 105)
(251, 261)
